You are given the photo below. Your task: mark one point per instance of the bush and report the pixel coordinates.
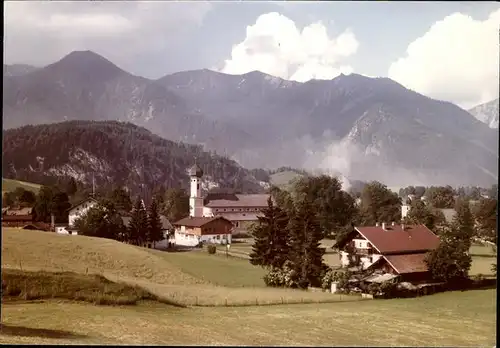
(282, 277)
(211, 249)
(327, 280)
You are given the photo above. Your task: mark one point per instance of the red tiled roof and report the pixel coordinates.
(410, 263)
(395, 240)
(197, 221)
(237, 200)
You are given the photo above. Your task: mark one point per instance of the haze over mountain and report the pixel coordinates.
(487, 113)
(365, 128)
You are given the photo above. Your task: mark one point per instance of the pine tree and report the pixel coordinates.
(305, 240)
(270, 247)
(138, 224)
(155, 232)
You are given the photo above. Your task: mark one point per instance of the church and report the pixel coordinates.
(216, 217)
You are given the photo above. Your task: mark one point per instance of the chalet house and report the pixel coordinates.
(399, 250)
(190, 231)
(78, 210)
(240, 209)
(17, 217)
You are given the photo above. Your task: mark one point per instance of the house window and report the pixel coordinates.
(244, 214)
(198, 186)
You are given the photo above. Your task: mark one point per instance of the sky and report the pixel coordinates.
(445, 50)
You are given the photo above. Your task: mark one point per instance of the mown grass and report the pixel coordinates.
(216, 269)
(448, 319)
(25, 285)
(9, 185)
(186, 278)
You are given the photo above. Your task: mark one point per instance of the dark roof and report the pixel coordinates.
(81, 202)
(237, 200)
(395, 240)
(195, 171)
(17, 217)
(197, 221)
(410, 263)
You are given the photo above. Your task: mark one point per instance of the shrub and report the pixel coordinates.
(327, 280)
(282, 277)
(211, 249)
(373, 288)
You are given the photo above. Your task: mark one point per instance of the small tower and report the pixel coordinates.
(195, 199)
(405, 207)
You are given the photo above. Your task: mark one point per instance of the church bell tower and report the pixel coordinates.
(195, 199)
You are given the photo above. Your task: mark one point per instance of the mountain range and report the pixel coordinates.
(364, 128)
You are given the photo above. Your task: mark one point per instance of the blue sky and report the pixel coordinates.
(456, 60)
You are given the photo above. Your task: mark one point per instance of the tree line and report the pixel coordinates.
(105, 221)
(287, 237)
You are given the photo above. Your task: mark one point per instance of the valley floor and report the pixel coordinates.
(448, 319)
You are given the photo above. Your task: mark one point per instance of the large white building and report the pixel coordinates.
(240, 209)
(75, 212)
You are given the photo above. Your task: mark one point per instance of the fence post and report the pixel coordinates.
(256, 301)
(196, 301)
(282, 302)
(226, 301)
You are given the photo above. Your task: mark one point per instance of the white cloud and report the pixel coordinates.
(274, 45)
(456, 60)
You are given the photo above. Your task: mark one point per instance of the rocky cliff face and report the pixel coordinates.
(487, 113)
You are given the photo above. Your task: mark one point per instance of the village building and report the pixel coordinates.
(240, 209)
(191, 231)
(397, 250)
(12, 217)
(75, 212)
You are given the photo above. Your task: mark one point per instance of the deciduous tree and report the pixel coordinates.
(379, 204)
(176, 205)
(485, 214)
(334, 208)
(441, 197)
(100, 221)
(121, 199)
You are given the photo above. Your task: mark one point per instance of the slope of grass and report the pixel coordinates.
(25, 285)
(448, 319)
(9, 185)
(172, 276)
(33, 250)
(216, 269)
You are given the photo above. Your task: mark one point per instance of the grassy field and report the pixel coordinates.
(9, 185)
(186, 278)
(214, 284)
(448, 319)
